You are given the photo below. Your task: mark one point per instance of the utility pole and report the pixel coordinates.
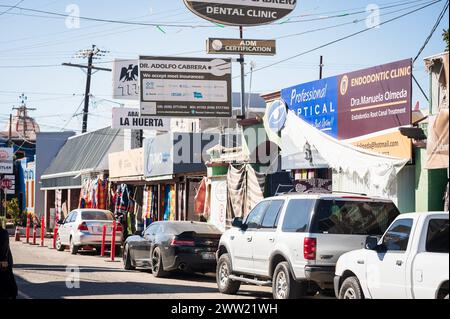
(242, 61)
(91, 55)
(321, 68)
(22, 115)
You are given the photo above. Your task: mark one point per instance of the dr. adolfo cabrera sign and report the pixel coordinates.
(241, 12)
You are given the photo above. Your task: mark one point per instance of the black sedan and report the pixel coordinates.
(169, 246)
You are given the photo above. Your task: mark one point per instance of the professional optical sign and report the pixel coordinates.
(241, 12)
(185, 87)
(241, 46)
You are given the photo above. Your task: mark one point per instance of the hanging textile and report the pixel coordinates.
(58, 204)
(236, 192)
(122, 198)
(101, 193)
(166, 202)
(131, 217)
(255, 188)
(245, 189)
(199, 204)
(149, 206)
(138, 208)
(172, 203)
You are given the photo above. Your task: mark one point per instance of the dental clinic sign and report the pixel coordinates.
(241, 12)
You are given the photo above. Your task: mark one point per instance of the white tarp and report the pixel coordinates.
(378, 171)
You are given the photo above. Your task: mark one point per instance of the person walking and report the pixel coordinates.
(8, 286)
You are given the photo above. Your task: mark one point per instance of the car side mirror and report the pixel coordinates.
(237, 222)
(61, 222)
(371, 243)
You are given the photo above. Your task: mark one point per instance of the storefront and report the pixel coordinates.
(174, 167)
(127, 184)
(78, 175)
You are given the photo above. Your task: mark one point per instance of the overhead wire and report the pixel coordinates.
(345, 37)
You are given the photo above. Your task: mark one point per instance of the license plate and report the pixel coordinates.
(208, 256)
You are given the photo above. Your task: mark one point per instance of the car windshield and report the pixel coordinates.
(96, 215)
(353, 217)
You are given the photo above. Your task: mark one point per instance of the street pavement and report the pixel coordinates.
(44, 273)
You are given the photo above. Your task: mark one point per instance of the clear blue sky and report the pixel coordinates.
(35, 39)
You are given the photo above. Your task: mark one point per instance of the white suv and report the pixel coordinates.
(292, 242)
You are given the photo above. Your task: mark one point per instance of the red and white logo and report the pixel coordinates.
(6, 183)
(4, 155)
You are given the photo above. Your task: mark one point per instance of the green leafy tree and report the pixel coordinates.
(13, 211)
(446, 39)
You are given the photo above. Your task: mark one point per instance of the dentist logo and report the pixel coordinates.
(276, 115)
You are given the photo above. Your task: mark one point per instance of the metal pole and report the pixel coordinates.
(242, 61)
(321, 68)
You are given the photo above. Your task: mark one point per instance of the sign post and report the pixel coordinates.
(241, 13)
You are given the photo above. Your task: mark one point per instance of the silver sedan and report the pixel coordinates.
(84, 228)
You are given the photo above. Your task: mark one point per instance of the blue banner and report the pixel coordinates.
(316, 103)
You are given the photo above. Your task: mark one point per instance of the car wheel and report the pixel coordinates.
(127, 259)
(351, 289)
(225, 284)
(59, 245)
(73, 248)
(157, 264)
(284, 285)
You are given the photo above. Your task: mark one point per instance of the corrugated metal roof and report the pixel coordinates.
(256, 101)
(82, 153)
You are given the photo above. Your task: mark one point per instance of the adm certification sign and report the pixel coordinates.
(241, 12)
(241, 46)
(185, 87)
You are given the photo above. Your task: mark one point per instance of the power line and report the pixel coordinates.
(11, 7)
(64, 15)
(342, 15)
(436, 25)
(345, 37)
(348, 23)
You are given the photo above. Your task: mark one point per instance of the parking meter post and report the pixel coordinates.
(27, 231)
(113, 241)
(103, 241)
(42, 231)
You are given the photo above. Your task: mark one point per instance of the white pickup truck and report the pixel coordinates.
(410, 261)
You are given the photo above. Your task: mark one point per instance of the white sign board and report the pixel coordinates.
(185, 87)
(129, 118)
(219, 204)
(6, 160)
(126, 80)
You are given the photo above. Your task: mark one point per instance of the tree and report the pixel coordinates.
(446, 39)
(13, 211)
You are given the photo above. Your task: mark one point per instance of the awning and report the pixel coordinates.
(81, 154)
(127, 165)
(378, 170)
